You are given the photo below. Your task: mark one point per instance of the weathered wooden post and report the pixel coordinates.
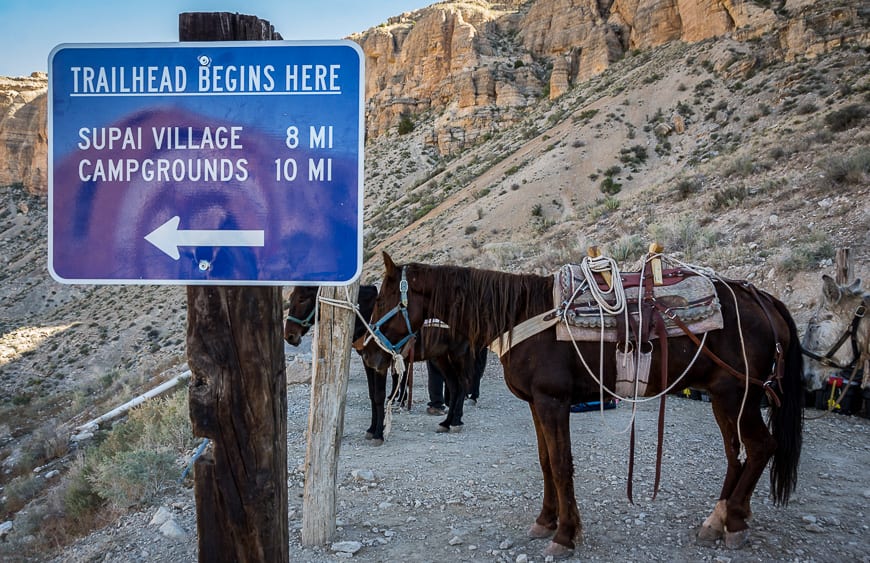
(238, 387)
(326, 415)
(843, 274)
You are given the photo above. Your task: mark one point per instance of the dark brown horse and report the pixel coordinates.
(548, 374)
(300, 318)
(452, 356)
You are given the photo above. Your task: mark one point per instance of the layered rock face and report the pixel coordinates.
(468, 68)
(476, 64)
(23, 139)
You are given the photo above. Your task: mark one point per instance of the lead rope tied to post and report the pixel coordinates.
(398, 360)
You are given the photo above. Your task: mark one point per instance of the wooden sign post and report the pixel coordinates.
(238, 387)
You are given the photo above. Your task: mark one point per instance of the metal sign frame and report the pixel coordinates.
(206, 163)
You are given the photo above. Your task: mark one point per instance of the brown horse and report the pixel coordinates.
(300, 318)
(453, 357)
(548, 374)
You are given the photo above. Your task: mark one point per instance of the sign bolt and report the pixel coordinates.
(204, 265)
(204, 60)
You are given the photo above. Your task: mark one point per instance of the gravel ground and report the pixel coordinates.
(471, 496)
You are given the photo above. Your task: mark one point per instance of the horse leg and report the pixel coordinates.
(377, 396)
(713, 527)
(733, 509)
(556, 430)
(544, 525)
(759, 448)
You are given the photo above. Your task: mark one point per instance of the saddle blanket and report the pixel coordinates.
(691, 298)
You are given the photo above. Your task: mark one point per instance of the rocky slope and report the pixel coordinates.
(746, 152)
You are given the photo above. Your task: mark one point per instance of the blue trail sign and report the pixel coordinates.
(236, 163)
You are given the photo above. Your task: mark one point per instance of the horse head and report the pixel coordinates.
(837, 334)
(300, 314)
(397, 316)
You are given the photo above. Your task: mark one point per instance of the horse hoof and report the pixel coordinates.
(538, 531)
(558, 551)
(456, 429)
(441, 429)
(737, 540)
(369, 435)
(708, 535)
(377, 441)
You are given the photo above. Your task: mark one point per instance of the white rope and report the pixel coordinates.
(710, 273)
(397, 359)
(589, 266)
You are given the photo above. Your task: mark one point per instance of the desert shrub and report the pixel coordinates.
(683, 234)
(139, 458)
(470, 229)
(845, 118)
(134, 476)
(627, 248)
(687, 187)
(20, 491)
(806, 254)
(728, 197)
(634, 155)
(609, 186)
(741, 166)
(611, 203)
(406, 125)
(850, 168)
(79, 498)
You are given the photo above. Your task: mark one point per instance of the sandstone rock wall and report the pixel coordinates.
(23, 139)
(467, 68)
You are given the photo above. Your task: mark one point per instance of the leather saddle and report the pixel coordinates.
(682, 295)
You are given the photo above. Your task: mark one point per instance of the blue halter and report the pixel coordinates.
(402, 308)
(304, 323)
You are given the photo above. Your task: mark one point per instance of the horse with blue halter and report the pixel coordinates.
(301, 310)
(756, 351)
(453, 357)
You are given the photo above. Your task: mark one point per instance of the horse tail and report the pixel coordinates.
(786, 421)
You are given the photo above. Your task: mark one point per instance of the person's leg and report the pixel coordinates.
(436, 388)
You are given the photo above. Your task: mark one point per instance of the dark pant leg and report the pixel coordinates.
(436, 385)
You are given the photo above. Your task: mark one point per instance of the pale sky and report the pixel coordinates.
(30, 29)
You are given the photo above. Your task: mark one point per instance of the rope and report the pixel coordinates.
(710, 273)
(590, 266)
(397, 359)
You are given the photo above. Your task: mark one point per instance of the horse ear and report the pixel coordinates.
(388, 263)
(855, 286)
(830, 289)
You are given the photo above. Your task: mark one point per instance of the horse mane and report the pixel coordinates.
(484, 304)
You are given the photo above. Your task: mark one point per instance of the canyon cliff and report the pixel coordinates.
(469, 68)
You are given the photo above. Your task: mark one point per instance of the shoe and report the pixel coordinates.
(435, 411)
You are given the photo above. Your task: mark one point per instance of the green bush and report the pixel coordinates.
(846, 118)
(135, 476)
(683, 234)
(609, 186)
(728, 197)
(627, 247)
(806, 254)
(406, 125)
(847, 169)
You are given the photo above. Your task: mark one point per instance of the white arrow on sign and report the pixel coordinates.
(167, 237)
